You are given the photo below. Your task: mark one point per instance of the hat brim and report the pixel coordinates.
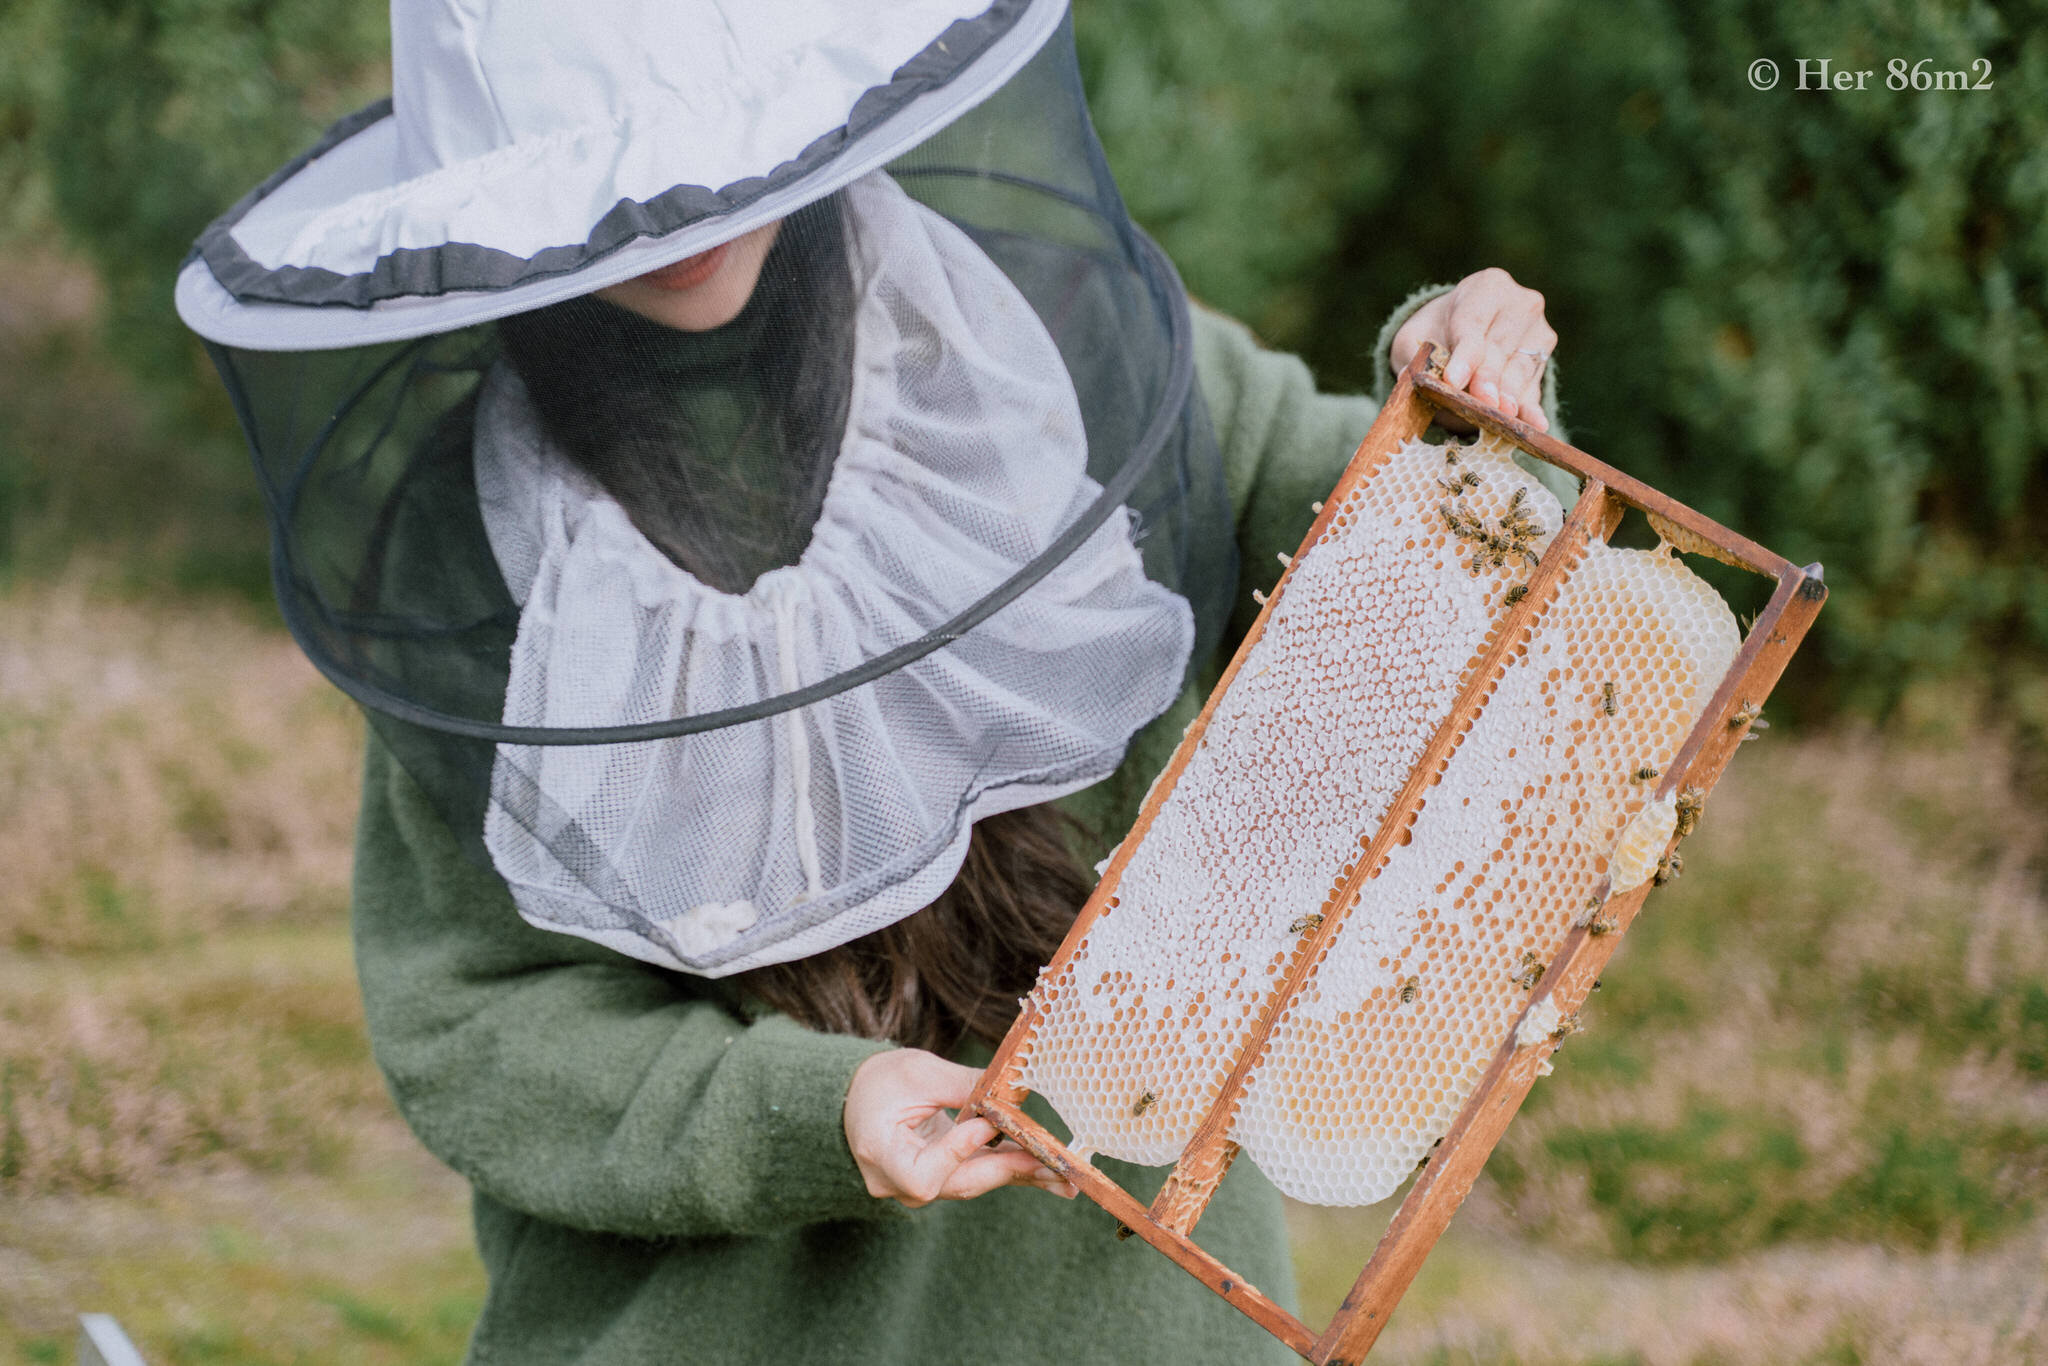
(229, 298)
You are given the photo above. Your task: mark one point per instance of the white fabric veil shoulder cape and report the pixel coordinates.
(964, 456)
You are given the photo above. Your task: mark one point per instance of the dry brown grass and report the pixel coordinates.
(1486, 1297)
(176, 798)
(366, 1265)
(190, 1059)
(192, 1134)
(163, 776)
(1836, 1025)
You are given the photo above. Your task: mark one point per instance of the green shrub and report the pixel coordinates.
(1816, 317)
(167, 111)
(126, 125)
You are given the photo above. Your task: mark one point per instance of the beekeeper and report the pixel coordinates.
(777, 513)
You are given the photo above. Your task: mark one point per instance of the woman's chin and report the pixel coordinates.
(699, 292)
(699, 309)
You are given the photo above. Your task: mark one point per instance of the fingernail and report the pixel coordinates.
(1486, 391)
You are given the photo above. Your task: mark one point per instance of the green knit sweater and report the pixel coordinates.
(661, 1175)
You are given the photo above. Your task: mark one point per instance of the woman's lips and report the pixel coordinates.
(689, 272)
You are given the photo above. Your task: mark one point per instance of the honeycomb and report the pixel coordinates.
(1641, 844)
(1360, 662)
(1358, 1083)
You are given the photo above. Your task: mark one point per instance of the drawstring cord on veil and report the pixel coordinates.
(784, 593)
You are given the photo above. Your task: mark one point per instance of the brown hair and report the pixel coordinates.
(958, 966)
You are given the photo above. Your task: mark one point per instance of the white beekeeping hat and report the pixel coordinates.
(530, 153)
(715, 637)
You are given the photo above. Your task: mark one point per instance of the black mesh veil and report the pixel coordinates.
(723, 448)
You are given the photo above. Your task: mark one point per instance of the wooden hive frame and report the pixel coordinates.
(1417, 400)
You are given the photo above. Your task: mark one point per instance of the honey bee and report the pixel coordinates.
(1668, 869)
(1646, 772)
(1307, 923)
(1514, 595)
(1748, 713)
(1531, 972)
(1410, 989)
(1596, 984)
(1691, 802)
(1608, 697)
(1601, 924)
(1124, 1233)
(1516, 502)
(1145, 1101)
(1568, 1026)
(1466, 480)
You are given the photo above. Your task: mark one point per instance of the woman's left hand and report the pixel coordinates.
(910, 1150)
(1498, 339)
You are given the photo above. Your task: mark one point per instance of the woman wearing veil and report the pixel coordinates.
(778, 514)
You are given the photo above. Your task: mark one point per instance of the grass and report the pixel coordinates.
(1494, 1296)
(1830, 1028)
(1807, 1124)
(368, 1265)
(164, 777)
(192, 1135)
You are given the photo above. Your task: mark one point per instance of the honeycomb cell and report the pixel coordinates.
(1361, 658)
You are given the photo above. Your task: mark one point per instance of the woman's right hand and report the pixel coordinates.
(909, 1149)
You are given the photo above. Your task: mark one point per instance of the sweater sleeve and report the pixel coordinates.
(572, 1083)
(1283, 445)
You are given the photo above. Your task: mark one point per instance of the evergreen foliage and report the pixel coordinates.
(164, 112)
(1816, 316)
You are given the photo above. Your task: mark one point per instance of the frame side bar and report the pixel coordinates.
(1403, 417)
(1241, 1294)
(1448, 1179)
(1187, 1191)
(1714, 719)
